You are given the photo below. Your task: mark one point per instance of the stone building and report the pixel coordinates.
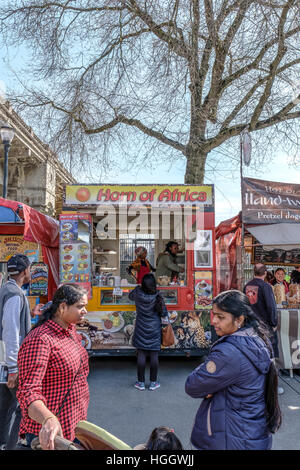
(35, 175)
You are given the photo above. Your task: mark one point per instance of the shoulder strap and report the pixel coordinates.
(69, 391)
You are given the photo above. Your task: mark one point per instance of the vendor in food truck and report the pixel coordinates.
(140, 265)
(279, 279)
(166, 263)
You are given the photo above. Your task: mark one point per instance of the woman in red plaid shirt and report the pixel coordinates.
(53, 370)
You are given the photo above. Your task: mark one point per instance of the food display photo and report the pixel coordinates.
(75, 249)
(203, 290)
(107, 330)
(114, 329)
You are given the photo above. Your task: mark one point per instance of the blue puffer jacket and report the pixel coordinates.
(147, 332)
(234, 373)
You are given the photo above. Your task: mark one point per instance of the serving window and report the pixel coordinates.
(108, 297)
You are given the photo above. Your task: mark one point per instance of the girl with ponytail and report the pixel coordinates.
(150, 307)
(238, 381)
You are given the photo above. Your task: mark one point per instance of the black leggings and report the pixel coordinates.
(141, 364)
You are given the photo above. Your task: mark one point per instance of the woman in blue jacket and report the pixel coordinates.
(150, 307)
(238, 382)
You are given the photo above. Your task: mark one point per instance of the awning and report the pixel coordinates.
(38, 228)
(229, 225)
(284, 236)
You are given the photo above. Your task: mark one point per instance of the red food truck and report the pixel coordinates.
(101, 226)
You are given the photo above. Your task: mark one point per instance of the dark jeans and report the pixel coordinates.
(10, 417)
(141, 364)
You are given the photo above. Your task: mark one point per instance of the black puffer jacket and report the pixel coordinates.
(147, 333)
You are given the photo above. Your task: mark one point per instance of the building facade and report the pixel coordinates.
(35, 175)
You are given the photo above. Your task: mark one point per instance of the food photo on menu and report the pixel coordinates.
(74, 251)
(203, 290)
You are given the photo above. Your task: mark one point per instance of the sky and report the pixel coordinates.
(227, 189)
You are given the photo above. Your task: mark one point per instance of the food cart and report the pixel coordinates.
(100, 227)
(28, 231)
(270, 223)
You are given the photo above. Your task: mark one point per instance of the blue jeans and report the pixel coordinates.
(10, 417)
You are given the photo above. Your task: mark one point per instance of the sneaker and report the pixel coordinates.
(140, 385)
(154, 385)
(280, 390)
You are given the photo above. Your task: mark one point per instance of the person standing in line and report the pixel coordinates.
(53, 367)
(15, 323)
(262, 300)
(150, 307)
(238, 381)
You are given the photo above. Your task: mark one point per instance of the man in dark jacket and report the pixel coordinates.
(261, 297)
(15, 323)
(262, 300)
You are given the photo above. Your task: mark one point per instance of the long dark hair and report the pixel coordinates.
(149, 287)
(68, 293)
(237, 303)
(295, 277)
(169, 246)
(163, 438)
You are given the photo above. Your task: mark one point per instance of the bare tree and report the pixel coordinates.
(188, 75)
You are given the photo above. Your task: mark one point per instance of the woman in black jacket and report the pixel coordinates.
(150, 307)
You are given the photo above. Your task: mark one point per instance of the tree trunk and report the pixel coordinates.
(195, 167)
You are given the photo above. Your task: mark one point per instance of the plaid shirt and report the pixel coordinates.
(48, 361)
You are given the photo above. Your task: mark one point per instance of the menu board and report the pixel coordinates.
(276, 256)
(203, 290)
(13, 244)
(39, 279)
(75, 250)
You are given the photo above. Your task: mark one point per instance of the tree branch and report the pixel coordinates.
(110, 47)
(253, 65)
(247, 97)
(273, 66)
(281, 116)
(65, 7)
(210, 104)
(175, 44)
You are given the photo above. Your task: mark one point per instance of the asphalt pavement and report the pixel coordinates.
(131, 415)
